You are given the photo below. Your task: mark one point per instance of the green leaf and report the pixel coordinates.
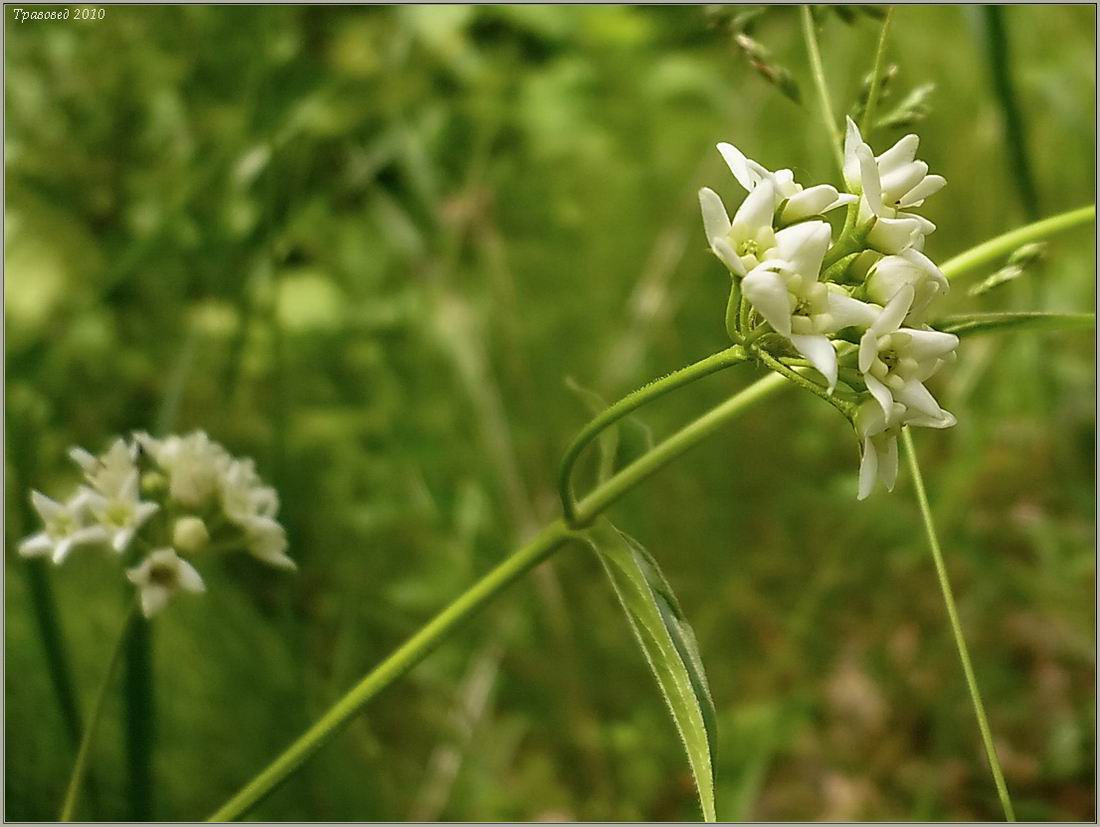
(669, 646)
(975, 323)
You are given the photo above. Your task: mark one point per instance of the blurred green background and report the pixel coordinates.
(367, 246)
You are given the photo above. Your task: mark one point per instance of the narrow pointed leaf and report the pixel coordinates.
(669, 646)
(972, 324)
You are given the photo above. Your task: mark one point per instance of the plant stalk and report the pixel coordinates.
(876, 76)
(647, 393)
(956, 627)
(481, 593)
(817, 68)
(72, 793)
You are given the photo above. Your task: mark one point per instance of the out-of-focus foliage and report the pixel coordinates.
(368, 245)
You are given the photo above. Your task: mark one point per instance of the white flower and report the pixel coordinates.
(121, 514)
(160, 576)
(65, 527)
(879, 447)
(742, 243)
(243, 496)
(895, 362)
(910, 267)
(888, 184)
(785, 290)
(109, 472)
(797, 203)
(194, 464)
(266, 541)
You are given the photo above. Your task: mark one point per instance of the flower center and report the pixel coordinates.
(748, 248)
(163, 576)
(61, 526)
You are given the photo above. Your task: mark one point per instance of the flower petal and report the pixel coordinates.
(849, 312)
(813, 201)
(716, 222)
(803, 246)
(888, 463)
(929, 186)
(153, 599)
(767, 292)
(868, 469)
(820, 352)
(37, 545)
(756, 211)
(901, 153)
(739, 166)
(915, 395)
(892, 315)
(930, 344)
(727, 256)
(189, 578)
(881, 393)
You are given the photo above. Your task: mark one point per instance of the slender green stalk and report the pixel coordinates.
(956, 627)
(481, 593)
(72, 794)
(397, 664)
(868, 120)
(997, 248)
(846, 408)
(818, 70)
(672, 447)
(654, 390)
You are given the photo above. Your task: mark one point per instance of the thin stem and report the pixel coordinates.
(481, 593)
(997, 248)
(397, 664)
(956, 627)
(876, 76)
(846, 408)
(72, 794)
(827, 116)
(733, 308)
(654, 390)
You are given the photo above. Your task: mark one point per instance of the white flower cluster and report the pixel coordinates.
(155, 502)
(872, 285)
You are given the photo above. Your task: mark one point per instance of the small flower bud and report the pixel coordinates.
(189, 535)
(153, 483)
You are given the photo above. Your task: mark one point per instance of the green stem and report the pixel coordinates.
(997, 248)
(846, 408)
(876, 76)
(481, 593)
(956, 627)
(733, 308)
(827, 116)
(654, 390)
(72, 794)
(397, 664)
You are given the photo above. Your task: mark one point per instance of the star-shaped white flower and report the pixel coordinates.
(65, 526)
(740, 244)
(878, 448)
(265, 539)
(785, 290)
(109, 472)
(797, 203)
(910, 267)
(161, 576)
(888, 185)
(194, 464)
(895, 362)
(121, 514)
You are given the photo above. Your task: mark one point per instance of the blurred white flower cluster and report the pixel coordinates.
(157, 503)
(852, 307)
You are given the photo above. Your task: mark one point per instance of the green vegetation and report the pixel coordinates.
(394, 254)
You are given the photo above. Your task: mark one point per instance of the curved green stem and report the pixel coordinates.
(956, 627)
(733, 309)
(997, 248)
(818, 70)
(704, 367)
(72, 793)
(868, 120)
(846, 408)
(481, 593)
